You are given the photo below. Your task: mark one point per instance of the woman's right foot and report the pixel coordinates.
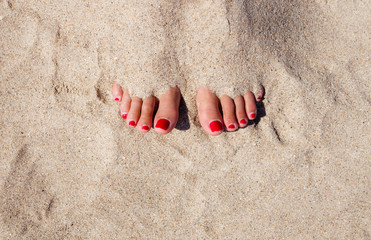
(138, 112)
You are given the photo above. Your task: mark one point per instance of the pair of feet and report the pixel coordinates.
(235, 112)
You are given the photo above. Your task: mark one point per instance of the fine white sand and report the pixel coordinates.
(71, 169)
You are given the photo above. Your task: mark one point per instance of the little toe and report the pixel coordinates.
(168, 111)
(134, 112)
(250, 105)
(259, 94)
(242, 119)
(117, 91)
(208, 111)
(125, 104)
(229, 115)
(146, 115)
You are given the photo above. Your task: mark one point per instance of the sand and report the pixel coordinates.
(71, 169)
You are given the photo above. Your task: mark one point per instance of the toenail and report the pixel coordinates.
(252, 115)
(145, 128)
(243, 121)
(216, 126)
(117, 99)
(163, 124)
(258, 99)
(231, 126)
(124, 115)
(132, 123)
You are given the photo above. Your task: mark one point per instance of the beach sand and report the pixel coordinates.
(72, 169)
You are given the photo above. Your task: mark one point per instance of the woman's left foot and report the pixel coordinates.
(236, 112)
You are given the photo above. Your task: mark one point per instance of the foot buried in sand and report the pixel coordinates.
(209, 40)
(236, 112)
(138, 112)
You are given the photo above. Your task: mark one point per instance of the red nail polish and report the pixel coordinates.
(252, 115)
(163, 124)
(243, 121)
(132, 123)
(231, 126)
(145, 128)
(117, 99)
(258, 99)
(124, 116)
(216, 126)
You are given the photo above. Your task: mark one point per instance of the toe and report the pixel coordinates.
(134, 112)
(250, 105)
(239, 102)
(260, 94)
(146, 115)
(117, 91)
(208, 111)
(168, 111)
(125, 104)
(229, 115)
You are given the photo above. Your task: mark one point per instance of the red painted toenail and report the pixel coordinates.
(163, 124)
(132, 123)
(117, 99)
(124, 116)
(216, 126)
(243, 121)
(231, 126)
(145, 128)
(258, 98)
(252, 115)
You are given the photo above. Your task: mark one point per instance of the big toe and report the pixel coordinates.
(208, 111)
(168, 111)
